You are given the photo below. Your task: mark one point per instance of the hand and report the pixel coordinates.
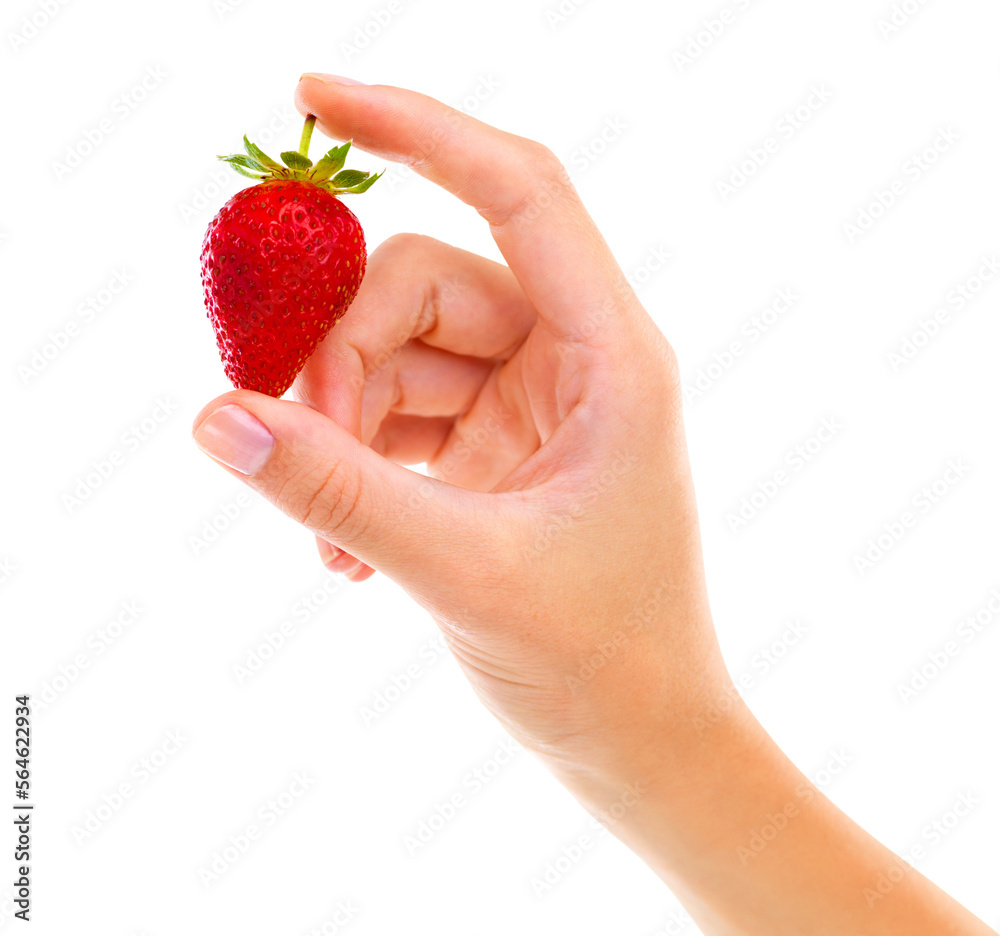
(557, 546)
(557, 543)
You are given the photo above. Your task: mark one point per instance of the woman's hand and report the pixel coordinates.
(557, 543)
(558, 546)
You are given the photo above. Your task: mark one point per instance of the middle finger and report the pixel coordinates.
(415, 287)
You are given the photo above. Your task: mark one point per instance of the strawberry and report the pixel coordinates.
(282, 261)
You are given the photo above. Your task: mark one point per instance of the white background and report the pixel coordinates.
(139, 200)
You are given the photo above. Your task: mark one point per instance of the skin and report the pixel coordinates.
(557, 542)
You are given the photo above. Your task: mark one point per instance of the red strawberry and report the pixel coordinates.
(281, 262)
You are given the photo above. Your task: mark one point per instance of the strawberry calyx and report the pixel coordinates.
(328, 173)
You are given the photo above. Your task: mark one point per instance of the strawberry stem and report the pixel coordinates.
(307, 132)
(329, 173)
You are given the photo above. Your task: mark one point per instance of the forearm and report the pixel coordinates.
(751, 847)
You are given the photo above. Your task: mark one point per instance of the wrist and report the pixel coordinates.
(668, 749)
(684, 802)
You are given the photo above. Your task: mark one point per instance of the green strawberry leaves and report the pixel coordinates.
(296, 160)
(332, 162)
(245, 166)
(354, 182)
(258, 155)
(328, 173)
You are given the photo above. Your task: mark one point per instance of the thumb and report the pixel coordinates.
(399, 522)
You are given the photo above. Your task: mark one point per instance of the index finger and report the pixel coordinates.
(536, 217)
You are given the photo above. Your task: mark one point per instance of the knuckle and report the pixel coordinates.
(661, 374)
(545, 184)
(399, 245)
(544, 163)
(672, 381)
(670, 363)
(663, 359)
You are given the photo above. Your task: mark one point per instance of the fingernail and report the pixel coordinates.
(328, 552)
(235, 438)
(331, 79)
(361, 574)
(344, 563)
